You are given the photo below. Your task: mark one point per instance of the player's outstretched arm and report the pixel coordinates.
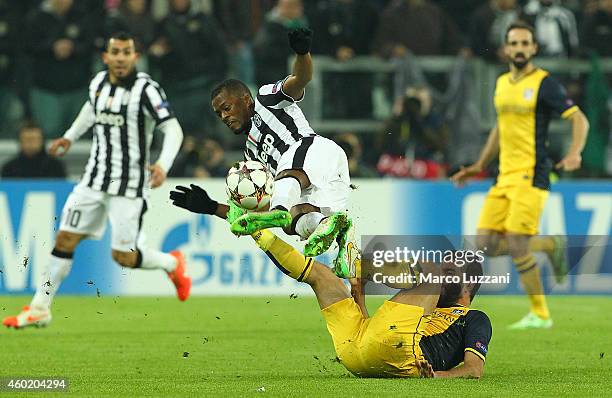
(83, 122)
(580, 129)
(471, 368)
(488, 153)
(300, 41)
(197, 200)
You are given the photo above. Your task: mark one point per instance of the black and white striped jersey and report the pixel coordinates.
(123, 119)
(278, 123)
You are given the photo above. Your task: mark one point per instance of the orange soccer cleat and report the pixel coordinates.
(28, 317)
(181, 281)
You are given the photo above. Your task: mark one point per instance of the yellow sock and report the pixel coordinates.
(529, 272)
(284, 256)
(541, 244)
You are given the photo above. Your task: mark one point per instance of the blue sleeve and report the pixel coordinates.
(477, 333)
(554, 96)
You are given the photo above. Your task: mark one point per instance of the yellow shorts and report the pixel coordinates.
(515, 208)
(384, 345)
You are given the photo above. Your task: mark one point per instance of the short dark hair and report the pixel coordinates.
(473, 269)
(233, 86)
(120, 35)
(28, 124)
(520, 25)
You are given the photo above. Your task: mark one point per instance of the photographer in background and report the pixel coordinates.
(413, 142)
(32, 160)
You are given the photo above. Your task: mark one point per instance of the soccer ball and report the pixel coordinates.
(249, 185)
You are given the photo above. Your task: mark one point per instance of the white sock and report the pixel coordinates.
(287, 192)
(307, 223)
(58, 270)
(153, 259)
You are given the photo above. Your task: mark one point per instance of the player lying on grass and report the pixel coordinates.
(413, 334)
(426, 331)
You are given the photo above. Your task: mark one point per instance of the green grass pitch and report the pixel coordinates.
(233, 346)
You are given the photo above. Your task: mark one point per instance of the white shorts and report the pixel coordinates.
(86, 211)
(326, 166)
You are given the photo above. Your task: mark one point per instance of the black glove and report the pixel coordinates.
(194, 199)
(300, 40)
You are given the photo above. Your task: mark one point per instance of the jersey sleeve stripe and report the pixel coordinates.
(156, 104)
(142, 142)
(273, 96)
(569, 112)
(287, 121)
(475, 352)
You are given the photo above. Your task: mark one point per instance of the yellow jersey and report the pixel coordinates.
(524, 109)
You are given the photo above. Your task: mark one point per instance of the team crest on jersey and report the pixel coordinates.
(257, 120)
(276, 86)
(481, 346)
(528, 93)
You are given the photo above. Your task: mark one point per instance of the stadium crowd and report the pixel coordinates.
(47, 47)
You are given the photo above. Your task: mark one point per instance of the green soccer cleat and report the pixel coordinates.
(531, 321)
(348, 262)
(234, 212)
(558, 258)
(325, 234)
(252, 222)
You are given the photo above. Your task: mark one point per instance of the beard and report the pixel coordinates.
(521, 63)
(449, 294)
(243, 128)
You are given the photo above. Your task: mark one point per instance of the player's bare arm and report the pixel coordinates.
(488, 153)
(580, 128)
(60, 146)
(358, 294)
(300, 41)
(472, 368)
(158, 175)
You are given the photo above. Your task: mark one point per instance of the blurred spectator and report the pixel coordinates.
(59, 39)
(271, 47)
(460, 11)
(344, 29)
(187, 159)
(488, 28)
(200, 160)
(555, 27)
(240, 20)
(351, 145)
(133, 16)
(10, 111)
(32, 160)
(597, 29)
(190, 53)
(413, 143)
(416, 25)
(212, 160)
(407, 74)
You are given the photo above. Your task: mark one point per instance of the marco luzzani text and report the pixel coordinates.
(412, 257)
